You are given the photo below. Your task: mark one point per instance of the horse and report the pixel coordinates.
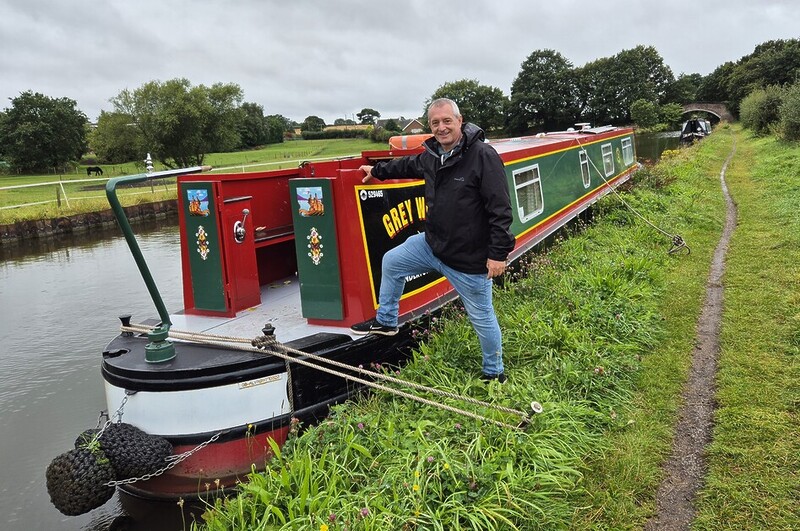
(97, 170)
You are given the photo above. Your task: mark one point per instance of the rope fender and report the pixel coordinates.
(83, 478)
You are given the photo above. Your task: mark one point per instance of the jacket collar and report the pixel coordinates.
(470, 133)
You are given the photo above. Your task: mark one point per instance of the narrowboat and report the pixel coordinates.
(695, 129)
(293, 256)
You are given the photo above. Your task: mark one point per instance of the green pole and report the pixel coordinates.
(160, 349)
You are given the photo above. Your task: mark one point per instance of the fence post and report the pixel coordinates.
(64, 192)
(58, 197)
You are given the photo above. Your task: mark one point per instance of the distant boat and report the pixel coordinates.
(695, 129)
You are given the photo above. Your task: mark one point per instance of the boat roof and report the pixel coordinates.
(508, 145)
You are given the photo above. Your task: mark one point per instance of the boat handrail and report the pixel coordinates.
(159, 337)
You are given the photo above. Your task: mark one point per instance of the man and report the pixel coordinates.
(467, 237)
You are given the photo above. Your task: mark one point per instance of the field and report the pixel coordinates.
(65, 196)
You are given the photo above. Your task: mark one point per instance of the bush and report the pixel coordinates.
(759, 110)
(333, 133)
(789, 125)
(671, 114)
(381, 135)
(644, 113)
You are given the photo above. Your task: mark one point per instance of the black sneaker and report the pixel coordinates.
(373, 327)
(499, 377)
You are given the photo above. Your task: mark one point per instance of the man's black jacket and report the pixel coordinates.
(466, 196)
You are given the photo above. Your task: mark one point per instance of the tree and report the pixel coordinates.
(607, 87)
(253, 126)
(115, 139)
(774, 62)
(39, 132)
(392, 125)
(277, 126)
(178, 124)
(543, 93)
(644, 113)
(482, 105)
(760, 110)
(671, 114)
(368, 116)
(641, 74)
(313, 123)
(3, 118)
(714, 87)
(344, 121)
(596, 91)
(684, 89)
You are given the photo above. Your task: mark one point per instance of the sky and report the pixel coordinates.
(332, 58)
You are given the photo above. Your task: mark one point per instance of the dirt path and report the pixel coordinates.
(686, 467)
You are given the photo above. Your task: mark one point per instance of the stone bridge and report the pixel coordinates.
(717, 109)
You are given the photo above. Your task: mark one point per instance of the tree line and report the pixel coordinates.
(179, 123)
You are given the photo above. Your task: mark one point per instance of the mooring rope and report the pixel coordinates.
(677, 240)
(214, 339)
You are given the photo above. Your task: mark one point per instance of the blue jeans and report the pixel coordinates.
(415, 257)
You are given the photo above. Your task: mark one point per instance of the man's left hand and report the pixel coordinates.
(495, 267)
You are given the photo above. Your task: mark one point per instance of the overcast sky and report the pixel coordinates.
(332, 58)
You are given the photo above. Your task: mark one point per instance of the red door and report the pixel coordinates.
(241, 270)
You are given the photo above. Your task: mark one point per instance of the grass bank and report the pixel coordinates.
(67, 196)
(754, 459)
(754, 476)
(599, 330)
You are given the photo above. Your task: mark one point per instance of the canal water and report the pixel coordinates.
(649, 146)
(60, 300)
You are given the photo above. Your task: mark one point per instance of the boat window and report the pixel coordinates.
(608, 159)
(587, 177)
(528, 190)
(627, 151)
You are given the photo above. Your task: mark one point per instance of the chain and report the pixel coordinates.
(175, 461)
(109, 420)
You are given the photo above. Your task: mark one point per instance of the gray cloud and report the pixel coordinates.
(332, 58)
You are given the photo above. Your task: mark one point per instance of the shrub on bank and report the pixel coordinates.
(789, 126)
(760, 110)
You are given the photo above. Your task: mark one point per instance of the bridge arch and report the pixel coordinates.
(717, 109)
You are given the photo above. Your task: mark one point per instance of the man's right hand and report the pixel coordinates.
(368, 170)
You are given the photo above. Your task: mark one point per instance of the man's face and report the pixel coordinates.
(445, 126)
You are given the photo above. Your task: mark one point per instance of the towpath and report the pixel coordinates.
(685, 470)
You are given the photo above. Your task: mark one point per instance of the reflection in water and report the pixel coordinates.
(649, 146)
(60, 300)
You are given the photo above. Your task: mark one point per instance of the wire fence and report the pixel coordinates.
(67, 192)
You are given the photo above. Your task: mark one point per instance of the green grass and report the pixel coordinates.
(599, 330)
(621, 481)
(754, 479)
(82, 197)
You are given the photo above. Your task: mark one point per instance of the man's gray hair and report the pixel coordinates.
(445, 101)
